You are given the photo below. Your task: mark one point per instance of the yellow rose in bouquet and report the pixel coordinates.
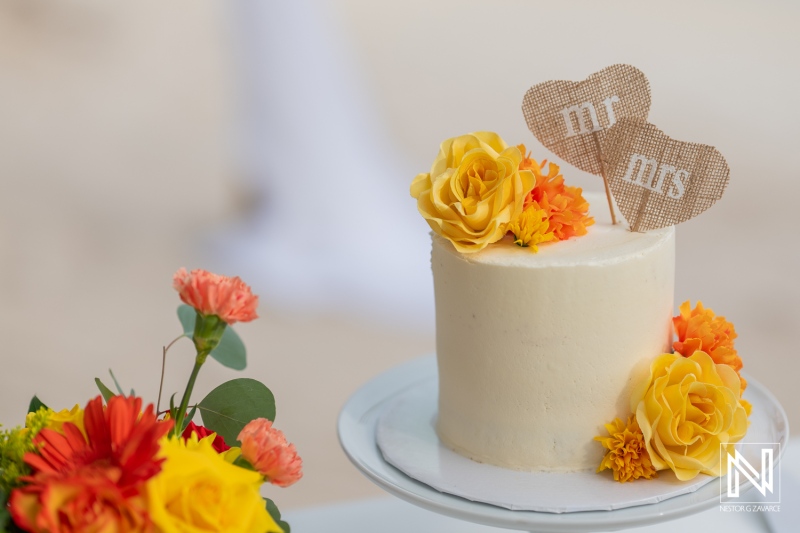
(473, 191)
(199, 490)
(689, 411)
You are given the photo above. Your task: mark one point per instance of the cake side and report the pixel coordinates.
(535, 351)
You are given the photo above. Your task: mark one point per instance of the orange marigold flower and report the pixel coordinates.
(700, 329)
(267, 449)
(96, 482)
(212, 294)
(627, 454)
(566, 208)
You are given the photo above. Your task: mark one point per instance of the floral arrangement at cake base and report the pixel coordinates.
(117, 465)
(689, 409)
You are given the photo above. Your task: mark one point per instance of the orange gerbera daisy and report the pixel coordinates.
(700, 329)
(92, 483)
(565, 206)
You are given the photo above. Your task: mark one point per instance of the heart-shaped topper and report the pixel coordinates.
(658, 181)
(570, 118)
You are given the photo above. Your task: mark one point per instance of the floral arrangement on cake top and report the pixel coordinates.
(688, 410)
(116, 466)
(480, 189)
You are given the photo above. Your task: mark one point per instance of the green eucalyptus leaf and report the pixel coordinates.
(230, 351)
(35, 404)
(235, 403)
(187, 315)
(116, 383)
(105, 391)
(273, 511)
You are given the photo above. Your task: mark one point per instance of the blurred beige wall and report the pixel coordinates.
(116, 162)
(725, 73)
(116, 157)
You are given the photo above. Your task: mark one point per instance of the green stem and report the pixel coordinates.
(163, 368)
(187, 394)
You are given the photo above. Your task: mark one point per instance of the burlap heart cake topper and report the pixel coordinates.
(600, 126)
(570, 118)
(658, 181)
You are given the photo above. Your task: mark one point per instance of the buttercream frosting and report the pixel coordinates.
(537, 350)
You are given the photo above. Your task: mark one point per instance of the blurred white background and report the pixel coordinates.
(277, 140)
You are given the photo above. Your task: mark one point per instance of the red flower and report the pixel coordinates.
(85, 484)
(86, 501)
(211, 294)
(203, 432)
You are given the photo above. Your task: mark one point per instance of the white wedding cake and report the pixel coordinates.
(537, 350)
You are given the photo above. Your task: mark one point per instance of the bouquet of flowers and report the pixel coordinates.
(116, 467)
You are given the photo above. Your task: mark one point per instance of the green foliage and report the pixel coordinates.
(187, 315)
(173, 411)
(5, 518)
(230, 351)
(105, 391)
(188, 419)
(232, 405)
(14, 444)
(35, 405)
(241, 462)
(273, 511)
(116, 383)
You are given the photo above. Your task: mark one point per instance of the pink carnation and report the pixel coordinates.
(211, 294)
(267, 449)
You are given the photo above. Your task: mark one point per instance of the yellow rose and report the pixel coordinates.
(57, 420)
(688, 410)
(474, 189)
(47, 418)
(198, 490)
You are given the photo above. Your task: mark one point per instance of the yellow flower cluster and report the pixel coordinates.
(473, 191)
(56, 420)
(627, 454)
(15, 443)
(531, 228)
(688, 412)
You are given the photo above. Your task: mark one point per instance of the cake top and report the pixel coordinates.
(603, 243)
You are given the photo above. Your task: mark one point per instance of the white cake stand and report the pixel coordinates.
(357, 425)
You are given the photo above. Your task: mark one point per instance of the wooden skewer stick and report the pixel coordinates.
(605, 180)
(608, 197)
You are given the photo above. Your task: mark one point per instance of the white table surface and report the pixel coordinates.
(392, 515)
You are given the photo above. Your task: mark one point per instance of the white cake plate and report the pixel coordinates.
(358, 424)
